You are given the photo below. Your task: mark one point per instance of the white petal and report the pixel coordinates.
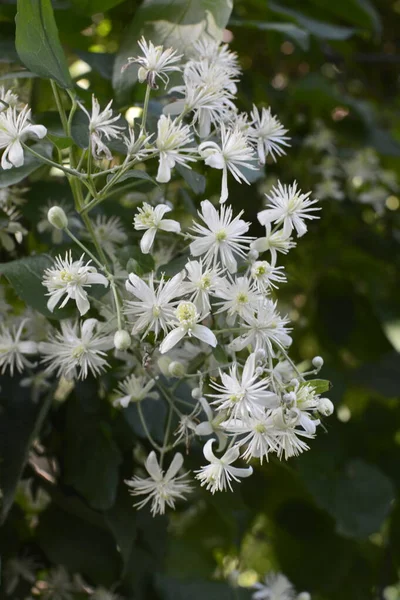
(170, 225)
(152, 466)
(172, 339)
(175, 465)
(205, 335)
(208, 453)
(147, 240)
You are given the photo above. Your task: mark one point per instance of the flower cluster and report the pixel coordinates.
(196, 300)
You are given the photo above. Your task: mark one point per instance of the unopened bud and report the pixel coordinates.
(261, 355)
(122, 340)
(304, 596)
(253, 255)
(325, 407)
(57, 217)
(163, 364)
(196, 393)
(176, 369)
(318, 362)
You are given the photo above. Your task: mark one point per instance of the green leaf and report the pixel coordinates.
(90, 7)
(175, 589)
(196, 181)
(320, 385)
(320, 29)
(135, 261)
(101, 62)
(20, 417)
(25, 275)
(37, 41)
(298, 35)
(136, 174)
(79, 545)
(171, 23)
(31, 163)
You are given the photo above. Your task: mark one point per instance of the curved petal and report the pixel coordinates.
(231, 455)
(88, 327)
(152, 467)
(241, 472)
(169, 225)
(164, 169)
(205, 335)
(208, 452)
(160, 211)
(147, 240)
(204, 428)
(82, 301)
(16, 154)
(172, 339)
(174, 467)
(249, 368)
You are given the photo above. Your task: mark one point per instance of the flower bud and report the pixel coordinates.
(253, 255)
(122, 340)
(304, 596)
(57, 217)
(176, 369)
(261, 355)
(325, 407)
(196, 393)
(318, 362)
(163, 364)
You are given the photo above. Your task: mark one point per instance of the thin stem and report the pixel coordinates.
(146, 429)
(117, 303)
(286, 355)
(145, 108)
(60, 107)
(86, 250)
(166, 435)
(51, 162)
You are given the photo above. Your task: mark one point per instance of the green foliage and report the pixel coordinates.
(177, 24)
(37, 41)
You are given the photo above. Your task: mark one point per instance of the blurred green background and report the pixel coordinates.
(329, 520)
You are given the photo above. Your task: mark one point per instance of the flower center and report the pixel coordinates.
(186, 314)
(205, 282)
(221, 235)
(66, 276)
(242, 298)
(78, 351)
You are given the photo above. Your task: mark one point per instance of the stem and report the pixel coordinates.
(286, 355)
(166, 436)
(116, 303)
(145, 108)
(86, 250)
(60, 107)
(146, 430)
(52, 163)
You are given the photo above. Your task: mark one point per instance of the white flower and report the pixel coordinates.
(287, 435)
(259, 435)
(11, 229)
(134, 389)
(187, 319)
(298, 404)
(155, 62)
(290, 207)
(217, 475)
(153, 309)
(234, 152)
(266, 276)
(202, 282)
(172, 136)
(208, 92)
(268, 134)
(274, 242)
(222, 236)
(217, 54)
(7, 99)
(101, 123)
(245, 395)
(264, 329)
(275, 587)
(330, 189)
(151, 220)
(160, 488)
(58, 585)
(13, 349)
(212, 425)
(137, 147)
(16, 128)
(69, 278)
(76, 350)
(240, 297)
(109, 232)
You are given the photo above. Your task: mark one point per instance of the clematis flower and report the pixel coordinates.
(151, 220)
(160, 488)
(155, 62)
(172, 136)
(187, 320)
(16, 128)
(217, 475)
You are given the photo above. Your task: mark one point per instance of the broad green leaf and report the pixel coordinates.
(298, 35)
(134, 261)
(196, 181)
(171, 23)
(20, 418)
(90, 7)
(31, 163)
(136, 174)
(320, 385)
(25, 275)
(320, 29)
(37, 41)
(78, 544)
(101, 62)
